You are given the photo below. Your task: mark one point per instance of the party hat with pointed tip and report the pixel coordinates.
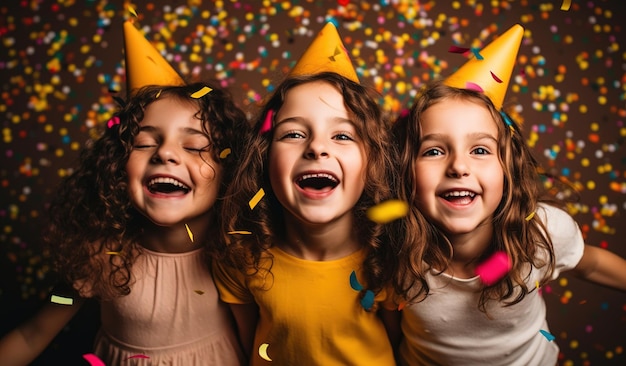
(492, 73)
(326, 54)
(144, 64)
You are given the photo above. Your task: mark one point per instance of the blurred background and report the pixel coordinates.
(61, 64)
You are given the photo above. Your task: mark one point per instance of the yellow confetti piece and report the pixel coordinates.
(239, 232)
(158, 94)
(199, 292)
(530, 216)
(566, 4)
(537, 284)
(189, 232)
(61, 300)
(132, 11)
(388, 211)
(113, 253)
(257, 197)
(263, 352)
(202, 92)
(224, 153)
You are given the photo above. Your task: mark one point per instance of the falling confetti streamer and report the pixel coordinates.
(257, 197)
(61, 300)
(547, 334)
(263, 352)
(494, 268)
(388, 211)
(189, 232)
(202, 92)
(93, 359)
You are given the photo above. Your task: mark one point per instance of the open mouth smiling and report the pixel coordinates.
(317, 181)
(166, 185)
(459, 197)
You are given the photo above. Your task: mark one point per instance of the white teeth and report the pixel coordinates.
(318, 175)
(459, 194)
(166, 180)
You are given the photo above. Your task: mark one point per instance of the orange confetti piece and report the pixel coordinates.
(566, 4)
(199, 292)
(401, 306)
(388, 211)
(530, 216)
(224, 153)
(257, 197)
(61, 300)
(113, 253)
(189, 232)
(202, 92)
(240, 232)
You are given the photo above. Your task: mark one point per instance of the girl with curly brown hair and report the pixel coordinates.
(134, 227)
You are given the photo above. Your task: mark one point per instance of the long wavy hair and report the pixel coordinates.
(91, 213)
(425, 246)
(266, 222)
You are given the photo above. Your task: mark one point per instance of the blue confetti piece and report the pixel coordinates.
(507, 120)
(368, 300)
(354, 282)
(547, 334)
(477, 54)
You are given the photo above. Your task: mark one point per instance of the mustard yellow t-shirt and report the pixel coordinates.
(309, 313)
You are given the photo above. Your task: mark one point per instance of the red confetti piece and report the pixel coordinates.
(138, 356)
(93, 359)
(494, 268)
(267, 123)
(455, 49)
(497, 79)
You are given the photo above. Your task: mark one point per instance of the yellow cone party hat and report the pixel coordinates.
(492, 73)
(144, 64)
(326, 53)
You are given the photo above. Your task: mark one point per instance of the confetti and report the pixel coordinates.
(202, 92)
(477, 54)
(388, 211)
(61, 300)
(199, 292)
(547, 334)
(113, 121)
(224, 153)
(497, 79)
(566, 4)
(263, 352)
(354, 282)
(368, 300)
(158, 94)
(113, 253)
(530, 216)
(189, 232)
(455, 49)
(242, 232)
(473, 86)
(93, 359)
(132, 11)
(494, 268)
(257, 197)
(137, 356)
(267, 122)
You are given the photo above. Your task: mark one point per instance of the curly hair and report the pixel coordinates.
(266, 220)
(525, 242)
(91, 213)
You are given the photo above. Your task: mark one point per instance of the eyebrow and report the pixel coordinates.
(472, 136)
(302, 119)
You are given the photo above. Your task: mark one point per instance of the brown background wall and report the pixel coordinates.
(60, 59)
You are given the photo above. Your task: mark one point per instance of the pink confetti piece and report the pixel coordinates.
(494, 268)
(138, 356)
(473, 86)
(93, 359)
(267, 123)
(497, 79)
(113, 121)
(455, 49)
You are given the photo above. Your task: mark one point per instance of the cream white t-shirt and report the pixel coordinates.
(448, 328)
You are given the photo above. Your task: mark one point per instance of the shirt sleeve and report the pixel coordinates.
(566, 237)
(231, 285)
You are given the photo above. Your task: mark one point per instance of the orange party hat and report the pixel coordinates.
(326, 53)
(491, 72)
(144, 64)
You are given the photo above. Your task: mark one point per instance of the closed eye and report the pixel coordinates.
(292, 135)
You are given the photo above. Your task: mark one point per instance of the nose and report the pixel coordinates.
(458, 166)
(316, 149)
(166, 154)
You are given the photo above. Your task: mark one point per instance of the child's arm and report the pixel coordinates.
(602, 267)
(24, 343)
(246, 317)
